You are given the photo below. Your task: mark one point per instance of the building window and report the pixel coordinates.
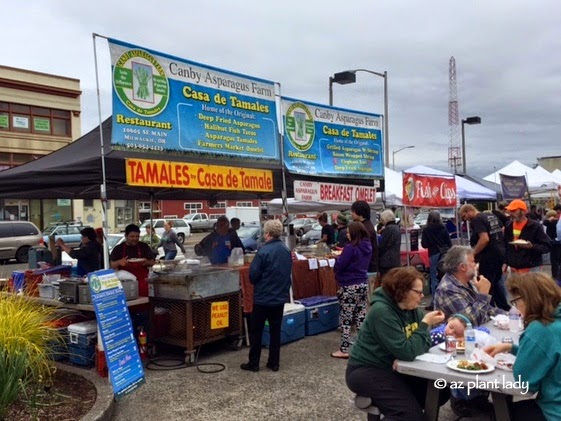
(88, 203)
(37, 120)
(244, 204)
(218, 205)
(192, 207)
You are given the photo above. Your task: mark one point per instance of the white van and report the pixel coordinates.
(180, 227)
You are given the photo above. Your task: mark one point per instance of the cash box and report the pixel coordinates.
(292, 327)
(322, 314)
(82, 338)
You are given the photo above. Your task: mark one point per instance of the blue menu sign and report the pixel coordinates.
(114, 323)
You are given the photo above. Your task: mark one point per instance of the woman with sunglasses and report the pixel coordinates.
(538, 354)
(395, 328)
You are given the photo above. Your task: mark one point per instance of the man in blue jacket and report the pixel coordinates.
(270, 275)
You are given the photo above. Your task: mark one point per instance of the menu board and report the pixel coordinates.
(114, 323)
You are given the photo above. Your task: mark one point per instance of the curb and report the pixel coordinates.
(104, 404)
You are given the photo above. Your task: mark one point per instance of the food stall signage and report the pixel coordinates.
(151, 173)
(219, 315)
(325, 141)
(312, 191)
(165, 103)
(429, 191)
(115, 326)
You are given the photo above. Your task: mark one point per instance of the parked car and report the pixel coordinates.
(302, 225)
(251, 237)
(199, 221)
(180, 226)
(68, 231)
(16, 237)
(312, 236)
(421, 219)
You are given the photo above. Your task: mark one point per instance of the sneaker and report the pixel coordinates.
(273, 367)
(472, 407)
(249, 367)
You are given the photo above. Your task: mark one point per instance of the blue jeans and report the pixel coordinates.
(170, 255)
(433, 274)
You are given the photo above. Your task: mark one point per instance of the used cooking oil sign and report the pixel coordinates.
(219, 315)
(151, 173)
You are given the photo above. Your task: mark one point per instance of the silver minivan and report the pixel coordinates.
(16, 237)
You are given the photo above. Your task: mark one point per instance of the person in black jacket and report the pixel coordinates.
(436, 239)
(390, 243)
(530, 240)
(90, 253)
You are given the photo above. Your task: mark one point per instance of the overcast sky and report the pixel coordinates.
(508, 60)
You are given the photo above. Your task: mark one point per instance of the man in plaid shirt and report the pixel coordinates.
(461, 291)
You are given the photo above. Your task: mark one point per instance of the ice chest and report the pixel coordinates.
(322, 314)
(81, 343)
(293, 325)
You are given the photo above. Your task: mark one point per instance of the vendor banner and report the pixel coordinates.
(331, 142)
(312, 191)
(151, 173)
(165, 103)
(429, 191)
(513, 186)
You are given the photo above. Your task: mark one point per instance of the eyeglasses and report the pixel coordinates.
(417, 291)
(513, 302)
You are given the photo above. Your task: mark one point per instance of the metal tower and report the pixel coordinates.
(454, 150)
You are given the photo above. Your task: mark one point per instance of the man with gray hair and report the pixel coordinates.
(462, 291)
(269, 273)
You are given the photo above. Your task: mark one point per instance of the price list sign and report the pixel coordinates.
(114, 323)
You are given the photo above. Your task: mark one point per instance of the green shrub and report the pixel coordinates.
(26, 333)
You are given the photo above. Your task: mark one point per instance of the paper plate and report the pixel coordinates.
(135, 260)
(454, 366)
(519, 242)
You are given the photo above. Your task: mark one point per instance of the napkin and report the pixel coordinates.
(434, 358)
(501, 321)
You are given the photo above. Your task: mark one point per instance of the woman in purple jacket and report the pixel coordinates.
(351, 270)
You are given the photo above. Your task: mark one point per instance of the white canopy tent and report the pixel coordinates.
(274, 207)
(466, 189)
(539, 180)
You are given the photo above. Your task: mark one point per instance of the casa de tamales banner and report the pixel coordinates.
(429, 191)
(153, 173)
(331, 142)
(162, 103)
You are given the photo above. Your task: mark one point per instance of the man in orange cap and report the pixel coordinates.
(525, 239)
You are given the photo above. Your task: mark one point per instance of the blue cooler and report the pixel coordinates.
(82, 338)
(293, 325)
(322, 314)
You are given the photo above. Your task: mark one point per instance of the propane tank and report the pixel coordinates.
(142, 344)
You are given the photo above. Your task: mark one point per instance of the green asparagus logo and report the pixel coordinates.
(95, 283)
(141, 83)
(300, 126)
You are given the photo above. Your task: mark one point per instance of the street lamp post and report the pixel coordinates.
(469, 120)
(399, 150)
(349, 76)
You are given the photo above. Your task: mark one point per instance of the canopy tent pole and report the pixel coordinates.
(103, 189)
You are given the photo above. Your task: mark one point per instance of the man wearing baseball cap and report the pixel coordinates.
(525, 239)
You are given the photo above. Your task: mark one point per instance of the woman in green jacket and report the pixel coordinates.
(538, 353)
(394, 329)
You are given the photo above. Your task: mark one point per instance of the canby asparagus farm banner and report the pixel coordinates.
(163, 104)
(331, 142)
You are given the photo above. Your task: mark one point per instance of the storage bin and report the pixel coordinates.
(322, 314)
(49, 291)
(82, 338)
(293, 325)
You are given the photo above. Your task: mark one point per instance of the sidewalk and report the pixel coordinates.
(309, 386)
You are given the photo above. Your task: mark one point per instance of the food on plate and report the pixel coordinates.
(519, 242)
(472, 365)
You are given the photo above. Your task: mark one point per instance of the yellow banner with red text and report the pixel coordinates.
(184, 175)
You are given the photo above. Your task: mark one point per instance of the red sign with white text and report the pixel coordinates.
(429, 191)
